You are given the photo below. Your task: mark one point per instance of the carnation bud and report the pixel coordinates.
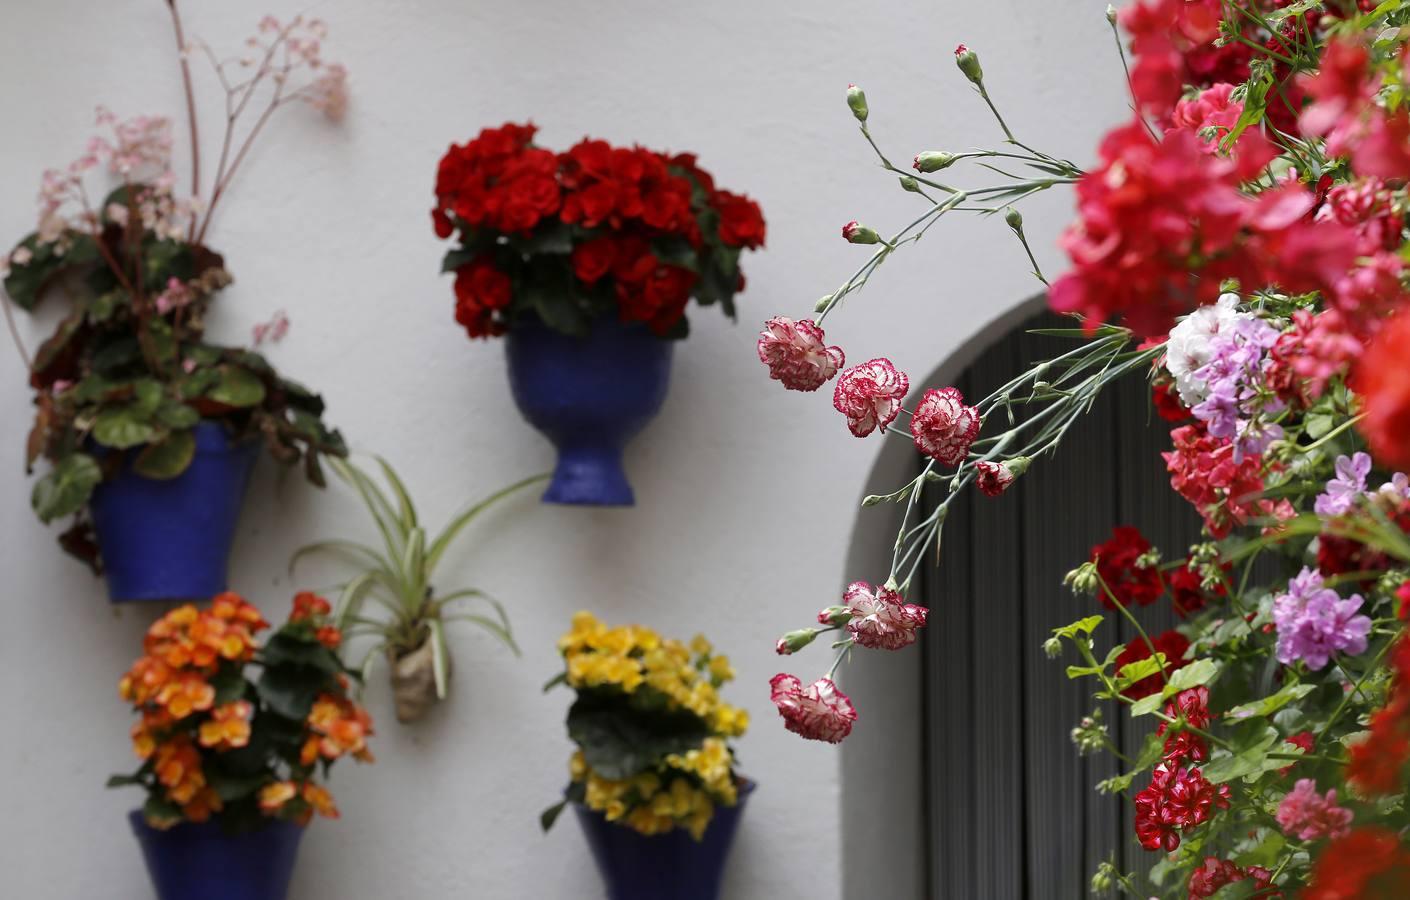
(1083, 579)
(1111, 14)
(857, 233)
(1018, 465)
(910, 184)
(1014, 218)
(795, 640)
(1052, 647)
(933, 161)
(822, 304)
(834, 615)
(857, 100)
(968, 61)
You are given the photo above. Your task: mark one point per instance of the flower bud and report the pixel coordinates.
(822, 304)
(795, 640)
(857, 100)
(1111, 14)
(857, 233)
(1018, 465)
(1083, 579)
(1102, 880)
(834, 615)
(1052, 647)
(910, 184)
(933, 161)
(968, 61)
(1013, 218)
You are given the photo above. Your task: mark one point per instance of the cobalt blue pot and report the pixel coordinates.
(670, 866)
(194, 861)
(170, 539)
(589, 396)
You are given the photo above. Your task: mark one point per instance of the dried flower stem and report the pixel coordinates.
(182, 56)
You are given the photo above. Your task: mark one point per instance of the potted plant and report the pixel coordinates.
(408, 617)
(653, 782)
(232, 763)
(587, 259)
(150, 431)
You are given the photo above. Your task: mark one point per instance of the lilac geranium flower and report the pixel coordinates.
(1237, 401)
(1347, 487)
(1314, 622)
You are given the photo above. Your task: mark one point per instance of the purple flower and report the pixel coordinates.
(1237, 398)
(1314, 622)
(1398, 487)
(1347, 487)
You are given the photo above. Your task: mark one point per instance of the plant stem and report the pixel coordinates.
(190, 108)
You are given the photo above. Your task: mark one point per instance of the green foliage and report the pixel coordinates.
(619, 738)
(389, 596)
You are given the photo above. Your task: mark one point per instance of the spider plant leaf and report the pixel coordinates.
(369, 662)
(456, 525)
(477, 594)
(350, 600)
(439, 657)
(406, 508)
(489, 625)
(375, 501)
(361, 554)
(413, 565)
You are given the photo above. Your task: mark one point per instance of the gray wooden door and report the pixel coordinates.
(1012, 810)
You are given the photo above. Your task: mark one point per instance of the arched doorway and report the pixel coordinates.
(1009, 808)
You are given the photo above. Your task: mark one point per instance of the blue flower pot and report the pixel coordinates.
(589, 396)
(201, 862)
(170, 539)
(670, 866)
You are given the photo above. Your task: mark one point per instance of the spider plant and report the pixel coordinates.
(389, 595)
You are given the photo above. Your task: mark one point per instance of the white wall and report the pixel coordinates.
(746, 493)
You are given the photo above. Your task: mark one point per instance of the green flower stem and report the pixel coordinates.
(1346, 699)
(1349, 423)
(1106, 589)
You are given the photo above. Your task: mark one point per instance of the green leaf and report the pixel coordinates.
(550, 815)
(117, 781)
(289, 692)
(177, 416)
(1147, 705)
(234, 787)
(66, 488)
(1199, 672)
(1268, 705)
(1246, 760)
(440, 658)
(457, 524)
(619, 741)
(555, 681)
(236, 387)
(1081, 626)
(288, 649)
(122, 427)
(1140, 669)
(167, 458)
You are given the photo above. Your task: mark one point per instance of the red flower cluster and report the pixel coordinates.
(1186, 746)
(1371, 863)
(1382, 380)
(1118, 565)
(1172, 644)
(1225, 492)
(1187, 593)
(1377, 764)
(1173, 44)
(1215, 873)
(624, 208)
(1176, 800)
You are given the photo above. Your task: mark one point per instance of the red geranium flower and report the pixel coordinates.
(1117, 564)
(1371, 863)
(1382, 379)
(741, 221)
(481, 289)
(1172, 644)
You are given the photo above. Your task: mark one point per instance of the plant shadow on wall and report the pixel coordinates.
(1241, 245)
(391, 599)
(587, 260)
(149, 429)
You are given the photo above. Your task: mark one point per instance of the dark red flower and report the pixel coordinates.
(1176, 800)
(1171, 643)
(594, 258)
(1371, 863)
(741, 220)
(1377, 764)
(1118, 565)
(1215, 873)
(1306, 740)
(1187, 593)
(1186, 746)
(481, 289)
(1167, 400)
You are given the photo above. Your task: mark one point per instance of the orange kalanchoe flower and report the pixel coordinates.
(228, 727)
(202, 806)
(340, 727)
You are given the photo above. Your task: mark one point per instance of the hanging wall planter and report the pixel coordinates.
(669, 866)
(587, 259)
(201, 861)
(589, 396)
(170, 539)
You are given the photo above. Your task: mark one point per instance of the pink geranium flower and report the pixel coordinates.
(1310, 816)
(870, 395)
(819, 712)
(881, 619)
(796, 354)
(944, 427)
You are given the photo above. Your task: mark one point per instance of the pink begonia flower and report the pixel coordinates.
(176, 295)
(818, 712)
(273, 330)
(881, 618)
(944, 427)
(796, 355)
(1310, 816)
(993, 478)
(329, 92)
(870, 395)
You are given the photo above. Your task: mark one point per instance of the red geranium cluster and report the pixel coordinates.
(1225, 491)
(1371, 863)
(1184, 745)
(1215, 873)
(1131, 580)
(591, 229)
(1172, 644)
(1177, 799)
